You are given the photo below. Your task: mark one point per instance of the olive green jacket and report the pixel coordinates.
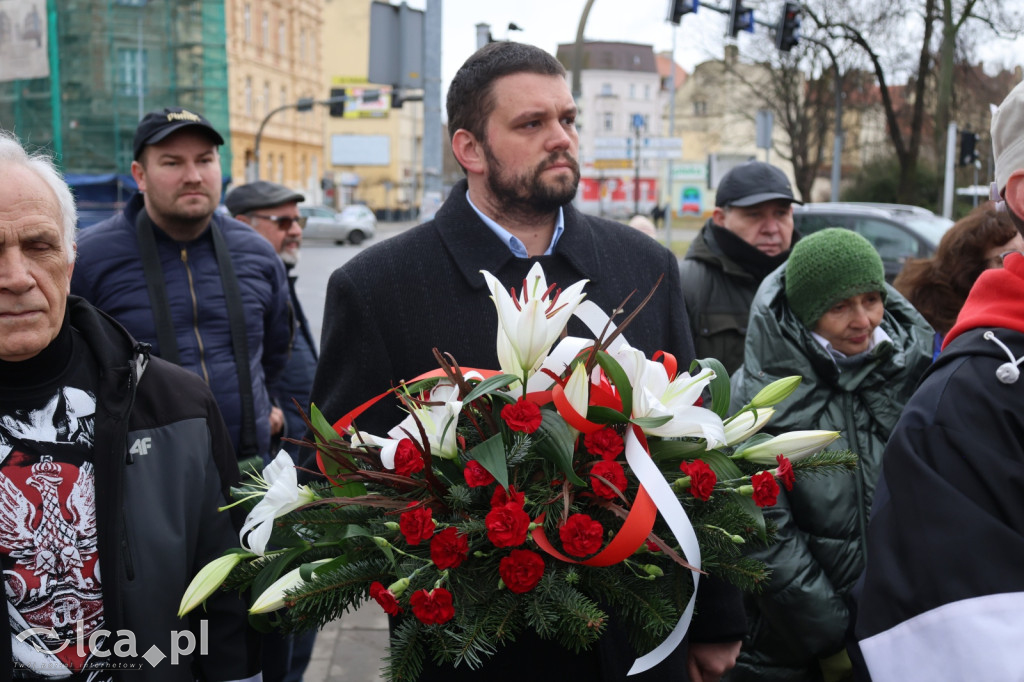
(801, 616)
(718, 294)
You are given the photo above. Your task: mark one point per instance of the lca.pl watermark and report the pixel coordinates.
(121, 644)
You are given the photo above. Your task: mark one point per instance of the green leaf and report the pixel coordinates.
(306, 570)
(275, 568)
(618, 377)
(719, 386)
(488, 386)
(755, 513)
(723, 467)
(321, 425)
(756, 439)
(555, 442)
(605, 415)
(491, 455)
(652, 422)
(662, 450)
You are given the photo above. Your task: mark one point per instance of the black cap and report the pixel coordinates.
(259, 194)
(752, 183)
(157, 125)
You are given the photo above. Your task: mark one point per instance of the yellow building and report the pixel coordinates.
(373, 155)
(274, 50)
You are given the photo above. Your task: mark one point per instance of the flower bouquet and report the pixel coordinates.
(581, 482)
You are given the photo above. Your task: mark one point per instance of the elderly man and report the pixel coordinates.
(512, 121)
(191, 282)
(943, 590)
(273, 212)
(749, 234)
(112, 467)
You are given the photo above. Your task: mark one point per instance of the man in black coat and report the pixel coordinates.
(513, 126)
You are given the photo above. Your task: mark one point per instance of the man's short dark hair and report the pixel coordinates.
(470, 95)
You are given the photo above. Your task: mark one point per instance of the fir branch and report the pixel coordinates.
(826, 463)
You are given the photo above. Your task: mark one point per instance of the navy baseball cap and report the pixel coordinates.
(157, 125)
(753, 182)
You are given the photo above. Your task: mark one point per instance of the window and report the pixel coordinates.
(248, 95)
(266, 97)
(247, 21)
(700, 108)
(606, 89)
(132, 3)
(131, 71)
(632, 90)
(282, 38)
(609, 120)
(270, 166)
(284, 95)
(647, 92)
(265, 29)
(280, 169)
(302, 45)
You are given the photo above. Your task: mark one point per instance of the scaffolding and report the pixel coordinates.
(111, 61)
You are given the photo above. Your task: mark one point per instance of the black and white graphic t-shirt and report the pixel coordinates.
(48, 546)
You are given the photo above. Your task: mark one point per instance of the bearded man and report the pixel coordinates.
(513, 131)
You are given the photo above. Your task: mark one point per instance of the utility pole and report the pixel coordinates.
(432, 155)
(667, 217)
(638, 127)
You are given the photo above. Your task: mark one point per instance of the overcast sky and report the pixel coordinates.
(547, 23)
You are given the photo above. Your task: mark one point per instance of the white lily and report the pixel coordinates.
(795, 445)
(210, 577)
(530, 323)
(283, 494)
(273, 597)
(438, 421)
(655, 395)
(746, 424)
(577, 389)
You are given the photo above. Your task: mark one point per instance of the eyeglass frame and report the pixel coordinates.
(277, 220)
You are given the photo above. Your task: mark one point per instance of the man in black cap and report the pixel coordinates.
(749, 234)
(193, 284)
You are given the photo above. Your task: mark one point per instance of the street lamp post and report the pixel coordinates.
(304, 104)
(638, 128)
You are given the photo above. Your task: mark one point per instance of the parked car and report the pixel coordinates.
(352, 225)
(897, 231)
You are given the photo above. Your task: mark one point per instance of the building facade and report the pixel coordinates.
(274, 57)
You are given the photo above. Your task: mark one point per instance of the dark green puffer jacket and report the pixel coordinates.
(802, 616)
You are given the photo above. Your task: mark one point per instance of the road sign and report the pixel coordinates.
(604, 142)
(661, 143)
(609, 164)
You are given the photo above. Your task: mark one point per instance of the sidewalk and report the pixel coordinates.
(350, 649)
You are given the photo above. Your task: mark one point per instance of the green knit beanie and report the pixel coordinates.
(830, 266)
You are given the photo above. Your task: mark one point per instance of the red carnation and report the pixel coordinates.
(785, 472)
(448, 548)
(502, 497)
(611, 472)
(408, 458)
(522, 416)
(605, 443)
(507, 525)
(702, 478)
(416, 525)
(521, 570)
(434, 607)
(476, 475)
(387, 601)
(766, 490)
(581, 535)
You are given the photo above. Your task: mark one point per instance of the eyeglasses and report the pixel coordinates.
(998, 261)
(284, 222)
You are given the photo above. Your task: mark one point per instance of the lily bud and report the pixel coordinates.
(380, 542)
(795, 445)
(391, 525)
(206, 582)
(746, 424)
(273, 597)
(577, 389)
(775, 392)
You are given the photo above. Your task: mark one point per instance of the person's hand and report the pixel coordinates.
(708, 661)
(276, 421)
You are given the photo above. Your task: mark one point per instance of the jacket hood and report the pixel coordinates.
(108, 341)
(995, 301)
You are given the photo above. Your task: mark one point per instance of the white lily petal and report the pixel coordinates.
(746, 424)
(273, 597)
(577, 389)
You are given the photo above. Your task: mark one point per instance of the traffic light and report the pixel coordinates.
(740, 19)
(677, 8)
(968, 148)
(337, 105)
(787, 33)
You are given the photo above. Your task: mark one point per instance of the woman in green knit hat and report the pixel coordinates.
(829, 316)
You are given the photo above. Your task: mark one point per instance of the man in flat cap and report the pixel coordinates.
(192, 283)
(272, 210)
(749, 234)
